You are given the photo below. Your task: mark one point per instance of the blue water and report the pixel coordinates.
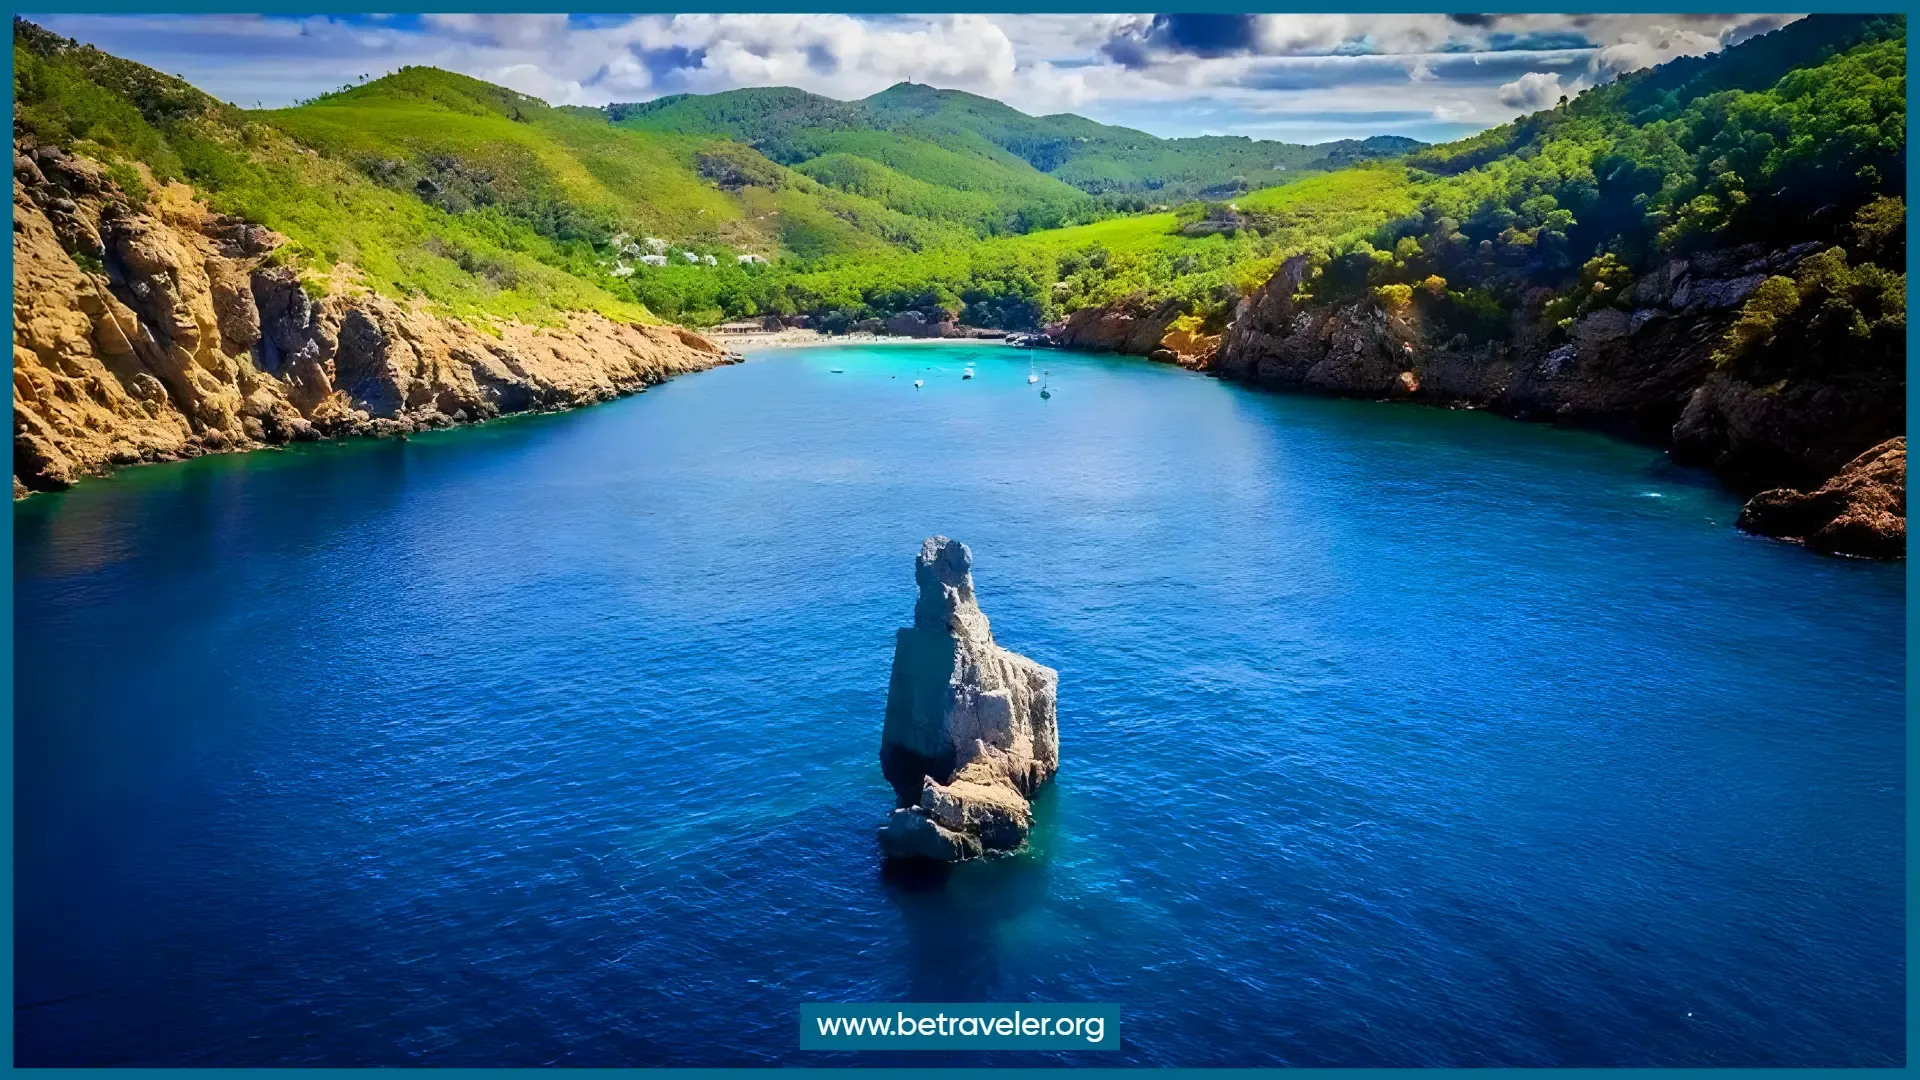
(1391, 736)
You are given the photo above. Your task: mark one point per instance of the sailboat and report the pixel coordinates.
(1044, 392)
(918, 383)
(967, 374)
(1031, 377)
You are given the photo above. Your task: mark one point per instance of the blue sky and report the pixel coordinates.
(1301, 78)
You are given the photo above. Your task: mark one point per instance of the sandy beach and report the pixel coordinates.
(800, 339)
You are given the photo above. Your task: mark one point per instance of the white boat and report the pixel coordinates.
(918, 383)
(967, 374)
(1031, 377)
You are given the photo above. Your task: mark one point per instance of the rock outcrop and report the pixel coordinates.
(165, 331)
(917, 324)
(1645, 369)
(1138, 327)
(1632, 372)
(1861, 511)
(971, 728)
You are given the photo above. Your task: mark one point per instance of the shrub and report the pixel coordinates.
(128, 180)
(1394, 297)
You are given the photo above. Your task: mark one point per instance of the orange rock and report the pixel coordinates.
(1862, 510)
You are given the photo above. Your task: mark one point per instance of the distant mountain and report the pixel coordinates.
(916, 169)
(793, 126)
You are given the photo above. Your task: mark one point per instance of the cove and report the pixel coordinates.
(1389, 736)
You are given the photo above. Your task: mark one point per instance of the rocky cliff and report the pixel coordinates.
(970, 729)
(162, 331)
(1645, 367)
(1138, 327)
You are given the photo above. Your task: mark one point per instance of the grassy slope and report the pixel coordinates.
(516, 153)
(985, 187)
(1144, 253)
(1040, 170)
(1779, 140)
(1100, 157)
(487, 201)
(126, 114)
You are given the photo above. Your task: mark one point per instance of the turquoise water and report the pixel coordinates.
(1390, 735)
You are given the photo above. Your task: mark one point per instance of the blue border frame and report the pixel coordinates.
(329, 7)
(877, 7)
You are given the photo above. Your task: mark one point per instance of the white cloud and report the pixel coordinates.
(529, 79)
(1532, 92)
(836, 54)
(1298, 76)
(510, 31)
(1659, 45)
(1754, 27)
(1283, 34)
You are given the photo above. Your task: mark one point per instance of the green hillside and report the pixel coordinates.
(798, 128)
(1039, 164)
(462, 144)
(1794, 137)
(1022, 282)
(1100, 158)
(488, 202)
(480, 199)
(153, 128)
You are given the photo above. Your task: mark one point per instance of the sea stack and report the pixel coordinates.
(971, 730)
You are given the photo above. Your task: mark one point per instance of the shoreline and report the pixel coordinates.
(806, 339)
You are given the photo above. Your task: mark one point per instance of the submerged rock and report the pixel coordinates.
(1861, 511)
(971, 730)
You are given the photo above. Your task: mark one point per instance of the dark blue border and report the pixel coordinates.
(877, 7)
(322, 7)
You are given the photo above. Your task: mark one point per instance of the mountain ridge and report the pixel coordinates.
(1099, 159)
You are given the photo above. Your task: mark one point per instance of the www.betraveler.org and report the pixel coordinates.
(958, 1027)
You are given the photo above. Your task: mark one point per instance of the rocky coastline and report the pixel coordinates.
(161, 331)
(165, 331)
(1645, 370)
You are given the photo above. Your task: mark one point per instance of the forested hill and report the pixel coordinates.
(482, 200)
(1709, 255)
(792, 126)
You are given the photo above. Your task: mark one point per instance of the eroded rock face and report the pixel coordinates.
(163, 332)
(916, 324)
(1861, 511)
(1645, 370)
(971, 728)
(1131, 325)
